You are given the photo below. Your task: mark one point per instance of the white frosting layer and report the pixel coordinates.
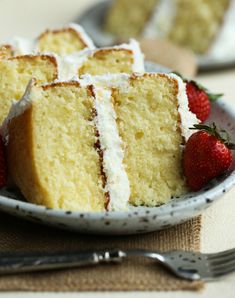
(69, 65)
(111, 145)
(120, 81)
(224, 45)
(22, 46)
(162, 20)
(188, 119)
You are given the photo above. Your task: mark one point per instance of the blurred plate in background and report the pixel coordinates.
(92, 21)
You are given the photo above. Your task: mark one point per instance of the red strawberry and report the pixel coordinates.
(3, 167)
(207, 155)
(199, 99)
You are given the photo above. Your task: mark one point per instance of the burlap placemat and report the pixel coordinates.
(131, 275)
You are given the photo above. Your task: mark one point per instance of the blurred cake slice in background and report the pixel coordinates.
(16, 72)
(194, 24)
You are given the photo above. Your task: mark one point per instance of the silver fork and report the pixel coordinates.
(184, 264)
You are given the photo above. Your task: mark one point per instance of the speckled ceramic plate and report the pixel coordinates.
(138, 219)
(92, 20)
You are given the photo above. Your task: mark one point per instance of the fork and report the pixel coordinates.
(185, 264)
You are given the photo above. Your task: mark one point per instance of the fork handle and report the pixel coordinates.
(11, 263)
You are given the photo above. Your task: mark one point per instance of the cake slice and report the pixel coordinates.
(125, 58)
(153, 120)
(64, 41)
(63, 148)
(15, 74)
(78, 146)
(152, 116)
(194, 24)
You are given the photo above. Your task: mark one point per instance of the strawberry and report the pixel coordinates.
(207, 155)
(3, 167)
(199, 98)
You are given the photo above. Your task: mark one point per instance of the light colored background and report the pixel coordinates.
(28, 18)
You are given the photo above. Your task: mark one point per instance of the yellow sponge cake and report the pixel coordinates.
(64, 41)
(15, 74)
(126, 58)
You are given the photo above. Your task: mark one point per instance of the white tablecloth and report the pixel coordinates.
(28, 18)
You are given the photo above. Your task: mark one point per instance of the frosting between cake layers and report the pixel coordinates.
(119, 80)
(68, 65)
(188, 119)
(117, 184)
(161, 22)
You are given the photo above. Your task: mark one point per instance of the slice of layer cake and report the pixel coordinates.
(15, 74)
(153, 120)
(63, 148)
(195, 24)
(94, 148)
(125, 58)
(62, 41)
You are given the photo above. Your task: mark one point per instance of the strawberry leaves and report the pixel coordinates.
(220, 134)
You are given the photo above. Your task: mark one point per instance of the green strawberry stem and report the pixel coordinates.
(221, 134)
(211, 96)
(214, 96)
